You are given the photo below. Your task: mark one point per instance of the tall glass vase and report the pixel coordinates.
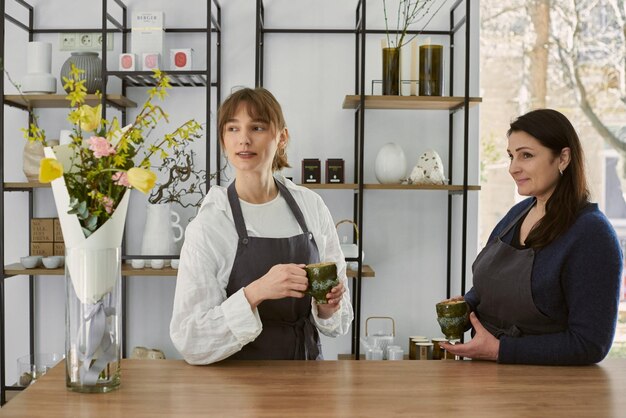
(93, 282)
(431, 70)
(391, 71)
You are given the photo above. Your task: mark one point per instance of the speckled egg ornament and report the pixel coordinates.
(428, 170)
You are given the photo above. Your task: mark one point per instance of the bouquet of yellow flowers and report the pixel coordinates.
(104, 160)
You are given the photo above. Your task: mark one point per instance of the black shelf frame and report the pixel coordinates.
(194, 78)
(360, 32)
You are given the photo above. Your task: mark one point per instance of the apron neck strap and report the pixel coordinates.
(516, 220)
(235, 207)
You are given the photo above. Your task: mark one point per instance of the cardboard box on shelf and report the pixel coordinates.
(41, 230)
(180, 59)
(42, 248)
(59, 248)
(128, 62)
(58, 232)
(334, 170)
(311, 171)
(150, 61)
(147, 32)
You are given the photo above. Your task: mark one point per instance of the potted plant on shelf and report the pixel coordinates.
(409, 13)
(35, 138)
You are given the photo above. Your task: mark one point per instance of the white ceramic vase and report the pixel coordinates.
(161, 233)
(390, 166)
(38, 63)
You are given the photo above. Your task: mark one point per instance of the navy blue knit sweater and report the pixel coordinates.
(576, 278)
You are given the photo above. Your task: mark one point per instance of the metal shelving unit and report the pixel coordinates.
(361, 103)
(195, 78)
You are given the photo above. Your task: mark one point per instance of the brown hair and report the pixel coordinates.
(261, 105)
(553, 130)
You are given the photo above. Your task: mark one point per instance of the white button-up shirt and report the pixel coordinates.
(206, 325)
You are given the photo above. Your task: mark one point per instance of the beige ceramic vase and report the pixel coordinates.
(33, 153)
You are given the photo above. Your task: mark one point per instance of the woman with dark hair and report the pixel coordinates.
(241, 282)
(546, 285)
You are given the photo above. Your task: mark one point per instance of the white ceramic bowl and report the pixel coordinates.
(51, 262)
(138, 263)
(30, 261)
(61, 259)
(157, 264)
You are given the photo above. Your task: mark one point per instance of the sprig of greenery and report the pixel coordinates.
(33, 133)
(94, 181)
(89, 221)
(409, 12)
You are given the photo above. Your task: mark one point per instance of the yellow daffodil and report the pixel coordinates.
(90, 117)
(141, 179)
(49, 169)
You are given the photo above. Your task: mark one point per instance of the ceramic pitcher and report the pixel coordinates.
(161, 232)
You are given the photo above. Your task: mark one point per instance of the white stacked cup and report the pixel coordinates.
(374, 354)
(395, 352)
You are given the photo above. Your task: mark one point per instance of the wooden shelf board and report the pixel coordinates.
(367, 272)
(350, 186)
(128, 270)
(60, 101)
(17, 269)
(448, 187)
(27, 185)
(408, 102)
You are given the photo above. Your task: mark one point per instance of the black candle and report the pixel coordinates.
(431, 70)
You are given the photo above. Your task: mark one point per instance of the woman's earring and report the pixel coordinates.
(561, 172)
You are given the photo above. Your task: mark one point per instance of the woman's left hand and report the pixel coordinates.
(333, 298)
(483, 346)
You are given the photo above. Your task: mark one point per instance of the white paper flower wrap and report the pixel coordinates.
(99, 271)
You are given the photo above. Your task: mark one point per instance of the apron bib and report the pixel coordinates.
(288, 333)
(502, 281)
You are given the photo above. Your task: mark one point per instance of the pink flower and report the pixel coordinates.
(100, 146)
(121, 179)
(107, 202)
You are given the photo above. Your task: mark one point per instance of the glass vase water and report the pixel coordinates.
(93, 279)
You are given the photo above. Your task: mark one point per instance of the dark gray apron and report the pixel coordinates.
(288, 333)
(502, 281)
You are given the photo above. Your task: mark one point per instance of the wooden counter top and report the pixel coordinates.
(167, 388)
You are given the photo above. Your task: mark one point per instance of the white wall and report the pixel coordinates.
(404, 231)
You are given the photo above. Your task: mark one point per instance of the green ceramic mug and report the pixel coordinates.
(453, 318)
(322, 278)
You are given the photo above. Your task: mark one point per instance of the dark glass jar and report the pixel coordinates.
(431, 70)
(391, 71)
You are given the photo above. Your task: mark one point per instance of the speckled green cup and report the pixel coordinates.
(322, 278)
(453, 318)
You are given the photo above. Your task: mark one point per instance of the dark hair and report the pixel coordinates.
(262, 105)
(553, 130)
